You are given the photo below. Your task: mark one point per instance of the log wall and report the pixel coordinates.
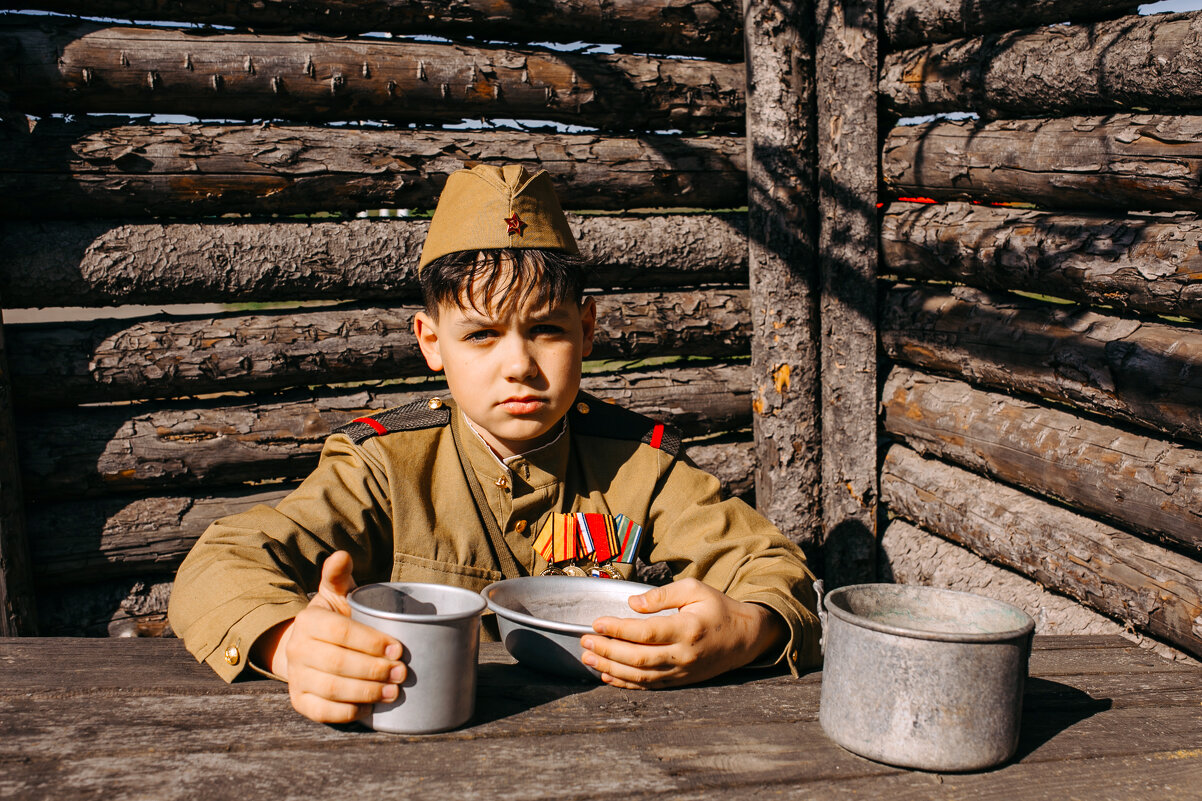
(1042, 314)
(134, 433)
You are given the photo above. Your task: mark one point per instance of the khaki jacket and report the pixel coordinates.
(400, 504)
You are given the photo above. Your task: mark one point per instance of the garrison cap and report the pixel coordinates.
(490, 207)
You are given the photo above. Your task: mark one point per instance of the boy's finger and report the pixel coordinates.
(671, 596)
(654, 631)
(623, 674)
(636, 656)
(339, 689)
(337, 581)
(338, 661)
(323, 710)
(331, 627)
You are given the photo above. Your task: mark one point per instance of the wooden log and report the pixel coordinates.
(122, 607)
(1122, 65)
(909, 23)
(91, 451)
(1128, 161)
(101, 167)
(18, 614)
(782, 232)
(96, 263)
(848, 154)
(1145, 373)
(164, 357)
(912, 555)
(660, 26)
(1142, 264)
(1154, 589)
(732, 460)
(1143, 484)
(88, 68)
(119, 536)
(83, 541)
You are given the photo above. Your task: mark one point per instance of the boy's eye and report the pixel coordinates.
(479, 336)
(547, 329)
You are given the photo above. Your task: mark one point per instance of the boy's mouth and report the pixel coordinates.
(527, 404)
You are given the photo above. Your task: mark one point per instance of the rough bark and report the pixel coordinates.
(80, 541)
(123, 607)
(911, 555)
(732, 460)
(909, 23)
(1130, 161)
(18, 613)
(1152, 588)
(1121, 65)
(698, 27)
(89, 68)
(848, 152)
(102, 167)
(90, 451)
(1149, 374)
(1143, 484)
(119, 537)
(98, 263)
(163, 356)
(1142, 264)
(782, 239)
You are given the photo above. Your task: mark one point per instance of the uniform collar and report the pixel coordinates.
(536, 468)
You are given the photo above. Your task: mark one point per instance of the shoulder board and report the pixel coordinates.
(431, 413)
(594, 417)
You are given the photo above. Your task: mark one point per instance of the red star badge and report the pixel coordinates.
(516, 226)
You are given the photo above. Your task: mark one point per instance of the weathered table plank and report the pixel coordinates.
(141, 719)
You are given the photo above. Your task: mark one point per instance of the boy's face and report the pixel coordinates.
(514, 371)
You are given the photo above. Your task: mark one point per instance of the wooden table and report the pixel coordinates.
(118, 719)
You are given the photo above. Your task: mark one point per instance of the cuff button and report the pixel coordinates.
(232, 655)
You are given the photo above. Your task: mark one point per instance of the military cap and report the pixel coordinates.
(490, 207)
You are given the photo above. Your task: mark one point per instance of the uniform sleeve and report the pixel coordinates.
(731, 547)
(251, 571)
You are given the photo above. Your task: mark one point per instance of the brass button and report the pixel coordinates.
(519, 526)
(231, 655)
(435, 403)
(503, 482)
(582, 407)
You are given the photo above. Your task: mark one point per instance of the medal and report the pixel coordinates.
(587, 544)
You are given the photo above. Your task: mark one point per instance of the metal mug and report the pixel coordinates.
(439, 630)
(923, 677)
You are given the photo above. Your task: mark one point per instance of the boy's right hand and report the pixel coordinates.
(335, 667)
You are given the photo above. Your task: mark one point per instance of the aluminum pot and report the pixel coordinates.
(922, 677)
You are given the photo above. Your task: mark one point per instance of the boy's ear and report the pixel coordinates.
(588, 318)
(426, 331)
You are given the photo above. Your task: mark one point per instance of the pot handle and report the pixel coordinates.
(820, 591)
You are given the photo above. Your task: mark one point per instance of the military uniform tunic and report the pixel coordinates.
(399, 502)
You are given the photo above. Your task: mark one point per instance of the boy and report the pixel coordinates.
(457, 491)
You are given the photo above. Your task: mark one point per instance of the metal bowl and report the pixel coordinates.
(542, 618)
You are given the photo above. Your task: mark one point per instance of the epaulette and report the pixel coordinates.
(432, 413)
(594, 417)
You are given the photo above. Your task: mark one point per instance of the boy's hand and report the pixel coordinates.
(335, 667)
(710, 634)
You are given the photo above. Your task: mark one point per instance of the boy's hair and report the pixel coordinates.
(504, 278)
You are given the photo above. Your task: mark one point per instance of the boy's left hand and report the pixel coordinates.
(710, 634)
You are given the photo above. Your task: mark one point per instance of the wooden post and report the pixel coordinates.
(17, 615)
(781, 238)
(848, 154)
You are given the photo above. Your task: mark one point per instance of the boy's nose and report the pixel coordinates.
(519, 360)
